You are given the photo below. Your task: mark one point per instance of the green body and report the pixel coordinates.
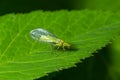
(56, 42)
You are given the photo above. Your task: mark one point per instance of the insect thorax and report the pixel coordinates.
(61, 43)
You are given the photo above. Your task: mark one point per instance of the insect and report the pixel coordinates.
(42, 35)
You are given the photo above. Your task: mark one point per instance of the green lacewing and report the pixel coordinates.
(42, 35)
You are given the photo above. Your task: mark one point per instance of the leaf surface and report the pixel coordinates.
(22, 58)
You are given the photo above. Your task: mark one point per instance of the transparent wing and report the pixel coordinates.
(43, 35)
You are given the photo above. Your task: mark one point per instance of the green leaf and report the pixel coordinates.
(22, 58)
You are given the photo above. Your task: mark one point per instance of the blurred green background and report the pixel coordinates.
(22, 6)
(105, 65)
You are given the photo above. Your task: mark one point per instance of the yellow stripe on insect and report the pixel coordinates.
(42, 35)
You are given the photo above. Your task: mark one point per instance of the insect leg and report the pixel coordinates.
(58, 47)
(51, 47)
(63, 47)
